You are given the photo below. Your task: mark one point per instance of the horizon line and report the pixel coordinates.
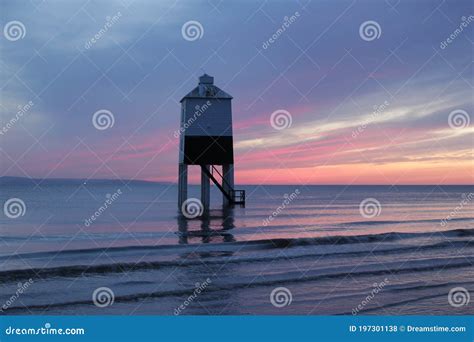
(125, 180)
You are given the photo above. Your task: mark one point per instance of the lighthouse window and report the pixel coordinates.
(210, 91)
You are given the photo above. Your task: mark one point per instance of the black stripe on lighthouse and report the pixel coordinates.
(206, 150)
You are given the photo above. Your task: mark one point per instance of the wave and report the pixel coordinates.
(291, 278)
(406, 289)
(223, 253)
(256, 244)
(372, 223)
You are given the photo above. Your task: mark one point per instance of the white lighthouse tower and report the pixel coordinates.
(206, 140)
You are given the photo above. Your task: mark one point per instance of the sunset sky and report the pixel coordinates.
(363, 111)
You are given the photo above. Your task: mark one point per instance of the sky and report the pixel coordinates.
(361, 92)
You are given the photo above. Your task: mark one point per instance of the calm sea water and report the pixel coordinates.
(319, 253)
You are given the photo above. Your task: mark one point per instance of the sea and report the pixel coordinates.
(100, 247)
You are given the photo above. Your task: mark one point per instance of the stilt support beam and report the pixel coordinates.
(227, 181)
(182, 184)
(205, 189)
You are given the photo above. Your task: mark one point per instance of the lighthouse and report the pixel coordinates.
(206, 140)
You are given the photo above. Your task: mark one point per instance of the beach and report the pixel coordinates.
(294, 249)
